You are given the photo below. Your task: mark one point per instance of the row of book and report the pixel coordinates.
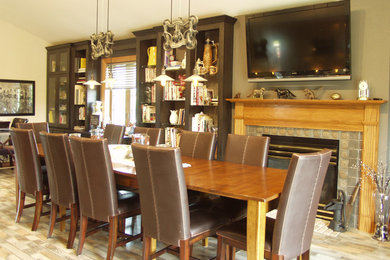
(202, 123)
(150, 74)
(201, 95)
(80, 65)
(173, 91)
(172, 136)
(79, 95)
(148, 114)
(179, 119)
(150, 94)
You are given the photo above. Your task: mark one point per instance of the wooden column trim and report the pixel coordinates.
(341, 115)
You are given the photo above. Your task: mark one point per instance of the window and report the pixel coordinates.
(120, 98)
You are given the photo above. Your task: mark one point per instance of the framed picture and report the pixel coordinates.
(17, 97)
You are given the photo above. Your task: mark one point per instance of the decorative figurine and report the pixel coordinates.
(364, 92)
(257, 93)
(284, 93)
(237, 95)
(309, 93)
(335, 96)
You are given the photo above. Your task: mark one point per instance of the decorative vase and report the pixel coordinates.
(173, 117)
(382, 217)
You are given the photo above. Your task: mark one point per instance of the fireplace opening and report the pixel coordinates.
(282, 148)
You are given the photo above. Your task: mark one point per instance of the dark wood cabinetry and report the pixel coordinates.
(153, 97)
(69, 101)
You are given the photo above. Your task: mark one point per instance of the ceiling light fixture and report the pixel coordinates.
(184, 31)
(92, 82)
(101, 42)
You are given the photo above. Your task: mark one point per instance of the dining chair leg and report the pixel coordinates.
(21, 199)
(53, 216)
(38, 209)
(277, 257)
(220, 253)
(16, 189)
(147, 247)
(185, 250)
(83, 232)
(305, 256)
(113, 234)
(74, 212)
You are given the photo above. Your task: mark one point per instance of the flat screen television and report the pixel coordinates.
(305, 43)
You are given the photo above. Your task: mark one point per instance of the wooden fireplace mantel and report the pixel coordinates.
(342, 115)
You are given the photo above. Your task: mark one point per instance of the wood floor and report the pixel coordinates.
(17, 241)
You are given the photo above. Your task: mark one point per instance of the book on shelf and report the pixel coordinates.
(80, 65)
(82, 113)
(148, 113)
(172, 136)
(150, 74)
(173, 91)
(202, 123)
(201, 95)
(79, 95)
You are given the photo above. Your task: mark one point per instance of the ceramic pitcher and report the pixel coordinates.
(152, 54)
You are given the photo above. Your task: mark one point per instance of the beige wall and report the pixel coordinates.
(23, 57)
(370, 36)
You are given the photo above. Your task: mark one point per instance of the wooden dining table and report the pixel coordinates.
(256, 185)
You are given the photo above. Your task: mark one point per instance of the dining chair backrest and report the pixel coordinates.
(60, 168)
(198, 144)
(244, 149)
(294, 224)
(95, 178)
(155, 135)
(36, 127)
(28, 164)
(18, 120)
(114, 133)
(163, 193)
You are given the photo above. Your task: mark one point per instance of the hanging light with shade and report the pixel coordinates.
(92, 83)
(195, 78)
(163, 78)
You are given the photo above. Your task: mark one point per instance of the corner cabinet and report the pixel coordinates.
(201, 108)
(69, 101)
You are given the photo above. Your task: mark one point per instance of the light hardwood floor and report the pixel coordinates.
(17, 241)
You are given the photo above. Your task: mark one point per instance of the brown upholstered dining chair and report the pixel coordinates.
(6, 148)
(36, 127)
(243, 149)
(62, 180)
(114, 133)
(155, 136)
(166, 214)
(32, 177)
(198, 144)
(290, 234)
(98, 196)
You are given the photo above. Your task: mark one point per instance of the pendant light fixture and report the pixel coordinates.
(163, 78)
(195, 78)
(183, 31)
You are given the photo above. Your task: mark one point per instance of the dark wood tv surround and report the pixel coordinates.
(343, 115)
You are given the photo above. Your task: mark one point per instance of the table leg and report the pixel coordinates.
(256, 216)
(153, 246)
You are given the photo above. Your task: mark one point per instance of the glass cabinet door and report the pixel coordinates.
(64, 61)
(51, 100)
(59, 61)
(63, 101)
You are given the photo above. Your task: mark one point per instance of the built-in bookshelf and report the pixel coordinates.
(198, 108)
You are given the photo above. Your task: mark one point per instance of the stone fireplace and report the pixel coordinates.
(354, 123)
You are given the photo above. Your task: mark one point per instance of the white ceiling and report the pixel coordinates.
(59, 21)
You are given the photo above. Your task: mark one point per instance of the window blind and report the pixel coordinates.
(124, 73)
